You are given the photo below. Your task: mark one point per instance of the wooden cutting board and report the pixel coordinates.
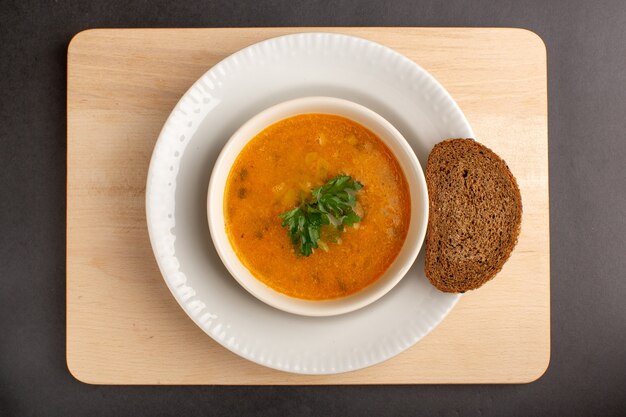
(123, 325)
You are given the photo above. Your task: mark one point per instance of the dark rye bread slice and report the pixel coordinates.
(474, 218)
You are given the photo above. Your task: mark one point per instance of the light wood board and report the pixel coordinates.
(123, 325)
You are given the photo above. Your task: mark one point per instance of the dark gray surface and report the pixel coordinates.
(586, 44)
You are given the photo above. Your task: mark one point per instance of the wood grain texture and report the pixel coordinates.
(123, 325)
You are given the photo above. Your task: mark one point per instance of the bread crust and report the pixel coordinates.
(472, 228)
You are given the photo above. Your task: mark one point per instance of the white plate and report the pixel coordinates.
(215, 106)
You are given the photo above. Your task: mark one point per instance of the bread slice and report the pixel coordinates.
(474, 217)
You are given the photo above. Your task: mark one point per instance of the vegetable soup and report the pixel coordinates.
(316, 207)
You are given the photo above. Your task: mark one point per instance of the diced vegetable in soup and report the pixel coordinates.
(363, 207)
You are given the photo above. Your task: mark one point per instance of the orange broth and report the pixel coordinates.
(278, 168)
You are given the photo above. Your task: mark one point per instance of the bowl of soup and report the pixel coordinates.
(317, 206)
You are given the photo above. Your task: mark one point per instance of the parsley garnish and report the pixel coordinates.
(332, 204)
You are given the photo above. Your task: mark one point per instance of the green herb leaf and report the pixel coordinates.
(332, 203)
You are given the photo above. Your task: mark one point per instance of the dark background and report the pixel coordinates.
(586, 43)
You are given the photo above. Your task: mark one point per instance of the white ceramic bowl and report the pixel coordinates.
(394, 141)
